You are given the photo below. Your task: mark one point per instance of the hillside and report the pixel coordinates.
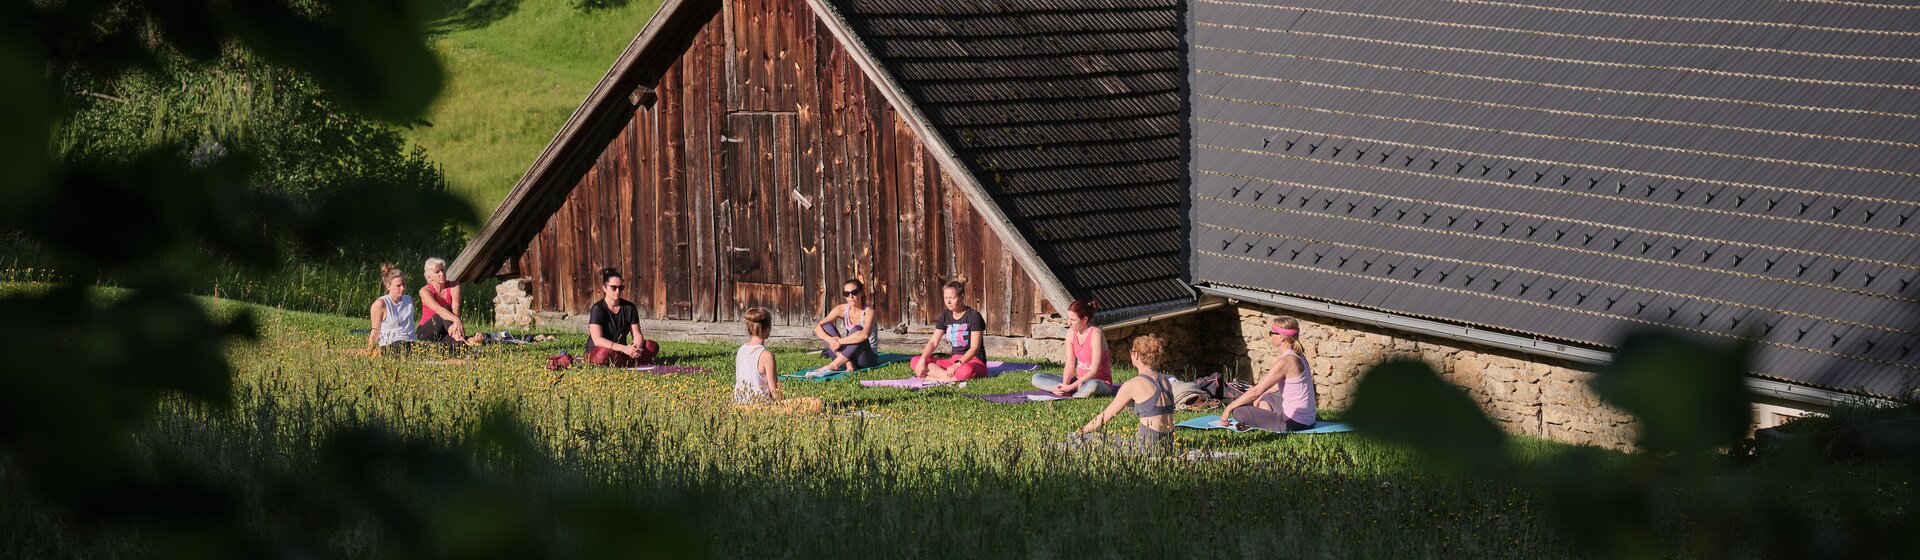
(516, 69)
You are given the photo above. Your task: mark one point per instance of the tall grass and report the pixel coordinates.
(929, 473)
(512, 82)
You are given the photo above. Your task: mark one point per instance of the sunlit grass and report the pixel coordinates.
(510, 86)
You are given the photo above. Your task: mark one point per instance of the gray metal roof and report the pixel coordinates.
(1567, 169)
(1069, 113)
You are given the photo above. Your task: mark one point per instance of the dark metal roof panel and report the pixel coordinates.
(1534, 134)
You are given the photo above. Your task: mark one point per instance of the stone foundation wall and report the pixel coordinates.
(1525, 394)
(512, 304)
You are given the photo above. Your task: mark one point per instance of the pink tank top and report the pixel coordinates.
(1083, 355)
(438, 296)
(1297, 398)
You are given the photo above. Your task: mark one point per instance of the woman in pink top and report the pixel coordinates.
(1284, 400)
(440, 309)
(1089, 365)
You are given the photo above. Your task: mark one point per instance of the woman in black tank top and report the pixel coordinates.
(1150, 394)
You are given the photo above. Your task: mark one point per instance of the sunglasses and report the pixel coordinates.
(616, 287)
(850, 293)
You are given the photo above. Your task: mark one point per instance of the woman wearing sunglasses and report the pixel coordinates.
(851, 346)
(611, 321)
(1284, 400)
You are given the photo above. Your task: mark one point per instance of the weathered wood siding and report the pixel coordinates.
(769, 170)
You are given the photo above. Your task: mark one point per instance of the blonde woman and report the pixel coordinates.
(756, 377)
(391, 316)
(1150, 393)
(440, 304)
(1284, 400)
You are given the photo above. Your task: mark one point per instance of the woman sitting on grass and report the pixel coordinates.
(440, 322)
(852, 347)
(391, 315)
(1089, 367)
(963, 329)
(756, 378)
(1150, 393)
(610, 321)
(1284, 400)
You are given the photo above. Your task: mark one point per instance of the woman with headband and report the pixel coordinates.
(1284, 400)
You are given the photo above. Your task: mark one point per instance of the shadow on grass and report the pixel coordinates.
(462, 15)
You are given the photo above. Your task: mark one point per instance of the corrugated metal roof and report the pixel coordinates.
(1070, 113)
(1570, 169)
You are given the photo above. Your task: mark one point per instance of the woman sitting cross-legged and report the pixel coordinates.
(611, 321)
(851, 347)
(1089, 366)
(392, 316)
(1150, 393)
(962, 328)
(440, 305)
(1283, 400)
(756, 381)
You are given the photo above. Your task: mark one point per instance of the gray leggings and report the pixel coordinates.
(861, 355)
(1091, 388)
(1269, 420)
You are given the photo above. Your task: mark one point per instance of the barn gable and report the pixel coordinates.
(749, 153)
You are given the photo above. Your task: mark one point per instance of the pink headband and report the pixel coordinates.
(1283, 332)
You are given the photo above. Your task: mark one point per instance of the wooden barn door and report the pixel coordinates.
(761, 243)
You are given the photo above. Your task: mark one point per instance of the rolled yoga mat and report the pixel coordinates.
(1207, 423)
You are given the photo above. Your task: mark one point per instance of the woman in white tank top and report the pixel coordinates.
(391, 315)
(756, 383)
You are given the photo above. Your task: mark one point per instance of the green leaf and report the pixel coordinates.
(1689, 396)
(1406, 402)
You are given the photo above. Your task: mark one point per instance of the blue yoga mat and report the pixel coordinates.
(1207, 423)
(885, 360)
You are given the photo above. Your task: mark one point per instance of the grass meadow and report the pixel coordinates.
(885, 472)
(512, 82)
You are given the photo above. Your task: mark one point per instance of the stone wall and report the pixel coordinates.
(512, 304)
(1525, 394)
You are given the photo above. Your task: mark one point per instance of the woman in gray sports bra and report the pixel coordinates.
(1150, 393)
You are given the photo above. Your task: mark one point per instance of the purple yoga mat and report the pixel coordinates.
(1011, 398)
(908, 383)
(997, 368)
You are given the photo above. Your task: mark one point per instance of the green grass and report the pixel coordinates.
(511, 83)
(935, 473)
(926, 473)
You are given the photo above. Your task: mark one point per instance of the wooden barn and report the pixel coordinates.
(758, 152)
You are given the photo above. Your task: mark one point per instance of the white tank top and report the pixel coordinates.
(398, 323)
(747, 385)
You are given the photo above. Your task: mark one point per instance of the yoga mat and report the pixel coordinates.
(908, 383)
(885, 360)
(359, 331)
(671, 370)
(1207, 423)
(1021, 397)
(997, 368)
